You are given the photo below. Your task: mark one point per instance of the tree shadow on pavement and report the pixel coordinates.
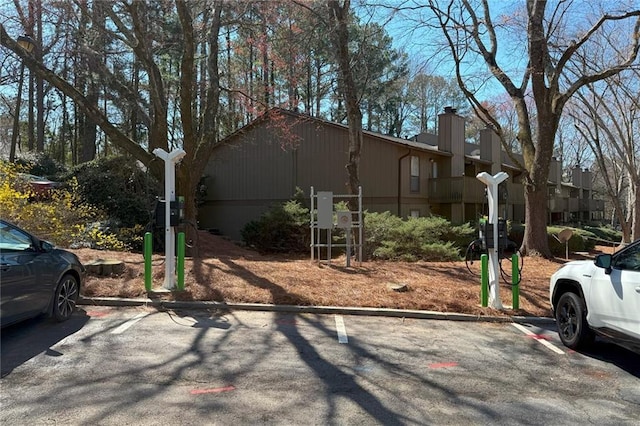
(25, 340)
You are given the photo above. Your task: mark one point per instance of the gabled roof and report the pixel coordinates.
(299, 116)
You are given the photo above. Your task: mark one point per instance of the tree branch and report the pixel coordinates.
(116, 136)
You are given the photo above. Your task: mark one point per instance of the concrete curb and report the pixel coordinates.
(382, 312)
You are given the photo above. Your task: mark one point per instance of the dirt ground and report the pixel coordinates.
(224, 271)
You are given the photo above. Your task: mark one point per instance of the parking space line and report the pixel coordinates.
(539, 339)
(342, 331)
(123, 327)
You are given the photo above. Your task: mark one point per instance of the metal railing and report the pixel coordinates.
(469, 189)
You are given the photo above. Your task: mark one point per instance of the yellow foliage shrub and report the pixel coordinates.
(63, 219)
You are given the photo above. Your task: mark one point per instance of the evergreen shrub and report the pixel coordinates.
(41, 164)
(284, 228)
(120, 188)
(606, 234)
(425, 238)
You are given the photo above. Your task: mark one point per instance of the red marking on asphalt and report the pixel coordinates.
(539, 337)
(97, 314)
(443, 365)
(214, 390)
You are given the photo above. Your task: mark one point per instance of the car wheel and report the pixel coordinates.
(571, 318)
(64, 303)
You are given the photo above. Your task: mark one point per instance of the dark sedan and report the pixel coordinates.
(35, 277)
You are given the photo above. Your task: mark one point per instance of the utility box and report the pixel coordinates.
(344, 219)
(486, 234)
(176, 213)
(325, 209)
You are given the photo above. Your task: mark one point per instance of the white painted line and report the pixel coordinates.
(123, 327)
(342, 331)
(535, 336)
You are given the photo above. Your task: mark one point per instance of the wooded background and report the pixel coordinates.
(113, 78)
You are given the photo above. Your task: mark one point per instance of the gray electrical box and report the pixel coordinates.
(344, 220)
(325, 209)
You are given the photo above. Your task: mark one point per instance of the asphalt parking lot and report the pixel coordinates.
(142, 365)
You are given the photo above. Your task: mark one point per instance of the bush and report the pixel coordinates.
(41, 164)
(119, 188)
(425, 238)
(460, 235)
(378, 228)
(132, 238)
(62, 219)
(606, 234)
(283, 228)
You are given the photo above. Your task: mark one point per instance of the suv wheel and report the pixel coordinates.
(571, 319)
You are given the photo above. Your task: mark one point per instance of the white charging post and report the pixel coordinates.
(492, 183)
(170, 160)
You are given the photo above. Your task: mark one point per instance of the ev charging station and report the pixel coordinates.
(492, 183)
(170, 160)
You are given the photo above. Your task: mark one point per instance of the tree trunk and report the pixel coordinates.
(618, 213)
(535, 233)
(39, 82)
(88, 130)
(187, 189)
(635, 207)
(16, 118)
(339, 16)
(31, 141)
(30, 28)
(619, 210)
(265, 69)
(62, 149)
(198, 141)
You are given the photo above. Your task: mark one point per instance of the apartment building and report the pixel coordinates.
(266, 161)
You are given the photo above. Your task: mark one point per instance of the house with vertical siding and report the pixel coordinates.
(266, 161)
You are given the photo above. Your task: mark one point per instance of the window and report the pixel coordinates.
(415, 213)
(13, 239)
(415, 174)
(628, 259)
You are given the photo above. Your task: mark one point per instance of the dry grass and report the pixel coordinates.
(222, 271)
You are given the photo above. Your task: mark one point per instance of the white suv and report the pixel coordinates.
(599, 297)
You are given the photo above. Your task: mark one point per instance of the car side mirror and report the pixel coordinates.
(46, 246)
(604, 261)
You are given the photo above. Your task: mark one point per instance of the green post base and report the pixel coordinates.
(148, 253)
(515, 281)
(180, 265)
(484, 283)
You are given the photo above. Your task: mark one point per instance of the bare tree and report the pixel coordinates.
(608, 118)
(470, 32)
(433, 93)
